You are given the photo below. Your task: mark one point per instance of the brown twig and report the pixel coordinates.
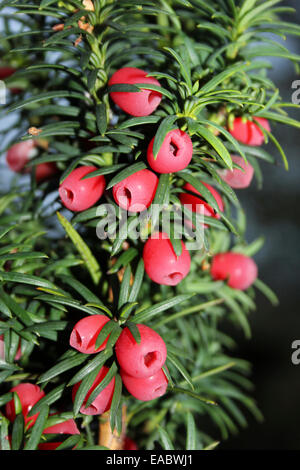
(110, 439)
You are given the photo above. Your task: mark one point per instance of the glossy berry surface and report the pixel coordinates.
(85, 333)
(141, 359)
(174, 154)
(29, 395)
(238, 179)
(103, 401)
(238, 270)
(140, 103)
(162, 264)
(198, 204)
(147, 388)
(248, 132)
(79, 194)
(136, 192)
(67, 427)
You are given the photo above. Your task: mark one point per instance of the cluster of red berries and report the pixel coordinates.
(140, 369)
(177, 149)
(164, 267)
(136, 192)
(140, 363)
(238, 270)
(28, 395)
(79, 191)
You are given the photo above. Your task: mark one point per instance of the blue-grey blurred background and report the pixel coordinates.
(273, 212)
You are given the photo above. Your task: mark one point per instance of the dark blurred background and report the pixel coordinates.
(274, 212)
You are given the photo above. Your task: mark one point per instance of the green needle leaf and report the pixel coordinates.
(165, 439)
(191, 432)
(37, 429)
(85, 252)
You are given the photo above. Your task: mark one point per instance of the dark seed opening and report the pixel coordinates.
(176, 277)
(125, 193)
(92, 407)
(174, 149)
(69, 194)
(150, 358)
(153, 96)
(78, 338)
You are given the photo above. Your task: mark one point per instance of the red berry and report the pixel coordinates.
(29, 394)
(199, 205)
(140, 103)
(236, 178)
(77, 194)
(141, 359)
(147, 388)
(239, 270)
(6, 72)
(174, 154)
(16, 91)
(248, 132)
(103, 401)
(67, 427)
(45, 170)
(161, 262)
(2, 350)
(129, 444)
(136, 192)
(19, 154)
(85, 333)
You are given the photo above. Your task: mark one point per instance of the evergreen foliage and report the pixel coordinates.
(211, 59)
